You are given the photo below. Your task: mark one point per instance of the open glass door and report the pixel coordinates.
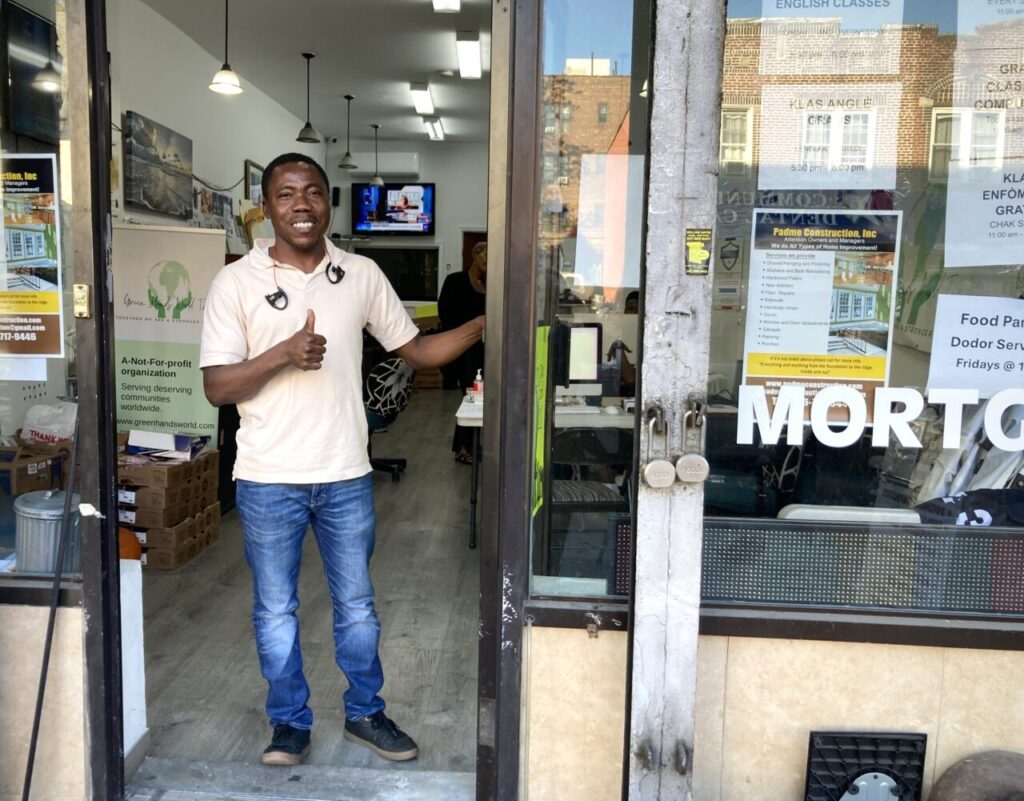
(559, 477)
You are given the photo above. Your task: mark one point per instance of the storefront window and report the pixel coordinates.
(37, 347)
(864, 424)
(589, 260)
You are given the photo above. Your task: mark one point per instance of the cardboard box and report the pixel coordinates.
(146, 517)
(210, 515)
(211, 534)
(209, 463)
(152, 497)
(171, 537)
(428, 379)
(197, 505)
(201, 486)
(147, 473)
(171, 558)
(177, 447)
(24, 470)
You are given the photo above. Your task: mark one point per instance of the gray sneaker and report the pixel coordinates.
(380, 734)
(287, 747)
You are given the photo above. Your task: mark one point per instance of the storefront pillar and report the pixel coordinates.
(673, 377)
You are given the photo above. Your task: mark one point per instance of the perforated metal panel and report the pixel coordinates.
(924, 568)
(620, 537)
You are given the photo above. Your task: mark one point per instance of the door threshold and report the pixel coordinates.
(186, 780)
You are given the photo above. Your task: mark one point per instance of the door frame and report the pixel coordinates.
(682, 194)
(506, 455)
(87, 46)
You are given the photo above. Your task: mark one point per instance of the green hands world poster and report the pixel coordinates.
(161, 279)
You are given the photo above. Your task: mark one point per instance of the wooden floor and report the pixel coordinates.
(204, 691)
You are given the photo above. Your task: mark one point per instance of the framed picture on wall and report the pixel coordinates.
(157, 167)
(253, 182)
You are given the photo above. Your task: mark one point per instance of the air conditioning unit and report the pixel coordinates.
(391, 164)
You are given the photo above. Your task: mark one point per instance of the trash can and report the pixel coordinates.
(37, 532)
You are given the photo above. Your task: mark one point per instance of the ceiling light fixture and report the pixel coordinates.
(421, 98)
(347, 162)
(435, 130)
(308, 132)
(447, 6)
(225, 82)
(47, 79)
(376, 180)
(467, 46)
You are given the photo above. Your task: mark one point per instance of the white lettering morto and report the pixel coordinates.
(888, 419)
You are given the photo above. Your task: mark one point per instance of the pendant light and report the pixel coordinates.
(225, 82)
(47, 79)
(347, 162)
(376, 180)
(308, 133)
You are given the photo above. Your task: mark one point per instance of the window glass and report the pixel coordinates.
(37, 364)
(866, 398)
(589, 261)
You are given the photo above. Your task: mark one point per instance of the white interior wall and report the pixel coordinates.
(458, 169)
(162, 74)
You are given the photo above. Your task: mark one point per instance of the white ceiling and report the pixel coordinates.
(371, 49)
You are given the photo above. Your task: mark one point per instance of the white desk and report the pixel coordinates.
(471, 415)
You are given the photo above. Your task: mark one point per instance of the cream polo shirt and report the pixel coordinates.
(303, 426)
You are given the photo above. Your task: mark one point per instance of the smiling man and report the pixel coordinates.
(282, 338)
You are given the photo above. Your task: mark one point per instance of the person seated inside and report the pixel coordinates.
(463, 299)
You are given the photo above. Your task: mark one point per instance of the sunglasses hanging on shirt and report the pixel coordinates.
(279, 298)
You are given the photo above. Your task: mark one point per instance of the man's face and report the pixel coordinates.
(297, 206)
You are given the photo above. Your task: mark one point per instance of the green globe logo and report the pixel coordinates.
(169, 288)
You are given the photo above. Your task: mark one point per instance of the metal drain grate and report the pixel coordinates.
(838, 760)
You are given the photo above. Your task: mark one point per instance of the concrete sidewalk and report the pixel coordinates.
(182, 780)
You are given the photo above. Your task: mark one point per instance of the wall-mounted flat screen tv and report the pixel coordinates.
(394, 209)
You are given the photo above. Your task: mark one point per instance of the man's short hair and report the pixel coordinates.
(291, 158)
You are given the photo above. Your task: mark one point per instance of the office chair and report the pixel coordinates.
(388, 388)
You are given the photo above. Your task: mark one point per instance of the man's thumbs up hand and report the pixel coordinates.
(305, 348)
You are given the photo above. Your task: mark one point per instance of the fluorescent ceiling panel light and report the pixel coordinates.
(467, 45)
(447, 6)
(421, 98)
(434, 128)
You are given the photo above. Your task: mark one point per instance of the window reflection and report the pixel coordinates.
(37, 347)
(839, 129)
(588, 245)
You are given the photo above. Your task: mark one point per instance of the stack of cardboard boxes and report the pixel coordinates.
(171, 507)
(31, 466)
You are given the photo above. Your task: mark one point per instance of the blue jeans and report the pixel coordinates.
(274, 522)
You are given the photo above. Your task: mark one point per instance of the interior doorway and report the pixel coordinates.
(202, 700)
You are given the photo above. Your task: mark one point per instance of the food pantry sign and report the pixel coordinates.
(895, 408)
